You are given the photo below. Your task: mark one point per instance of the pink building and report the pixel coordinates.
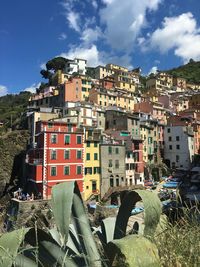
(155, 109)
(73, 90)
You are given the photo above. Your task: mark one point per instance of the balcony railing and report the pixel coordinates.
(35, 161)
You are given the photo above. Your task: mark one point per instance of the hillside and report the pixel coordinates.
(12, 107)
(189, 71)
(12, 146)
(12, 143)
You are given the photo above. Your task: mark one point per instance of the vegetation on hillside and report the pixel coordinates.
(12, 108)
(12, 146)
(189, 71)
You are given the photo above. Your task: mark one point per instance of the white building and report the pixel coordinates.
(179, 146)
(76, 65)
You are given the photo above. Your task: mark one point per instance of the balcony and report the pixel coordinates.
(35, 161)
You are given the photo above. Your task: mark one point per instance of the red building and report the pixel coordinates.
(57, 156)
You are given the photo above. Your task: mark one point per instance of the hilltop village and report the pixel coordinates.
(99, 126)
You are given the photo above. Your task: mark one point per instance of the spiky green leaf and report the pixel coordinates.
(9, 246)
(62, 197)
(133, 251)
(152, 211)
(84, 231)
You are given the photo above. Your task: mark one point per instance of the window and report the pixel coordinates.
(110, 150)
(95, 144)
(95, 156)
(78, 154)
(97, 170)
(50, 125)
(132, 166)
(54, 138)
(67, 154)
(53, 154)
(79, 139)
(168, 130)
(78, 169)
(70, 129)
(127, 166)
(170, 147)
(177, 146)
(170, 138)
(117, 150)
(117, 164)
(110, 163)
(88, 170)
(177, 138)
(117, 182)
(88, 144)
(94, 185)
(87, 156)
(67, 139)
(111, 182)
(177, 158)
(53, 171)
(66, 170)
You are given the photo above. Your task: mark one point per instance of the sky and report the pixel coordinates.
(150, 34)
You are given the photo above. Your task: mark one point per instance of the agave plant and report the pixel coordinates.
(132, 250)
(72, 243)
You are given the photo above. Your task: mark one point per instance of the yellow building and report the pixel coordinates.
(109, 98)
(159, 83)
(193, 86)
(150, 133)
(194, 101)
(116, 67)
(92, 163)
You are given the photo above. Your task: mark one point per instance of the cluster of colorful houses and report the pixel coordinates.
(94, 125)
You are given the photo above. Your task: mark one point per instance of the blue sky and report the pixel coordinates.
(152, 34)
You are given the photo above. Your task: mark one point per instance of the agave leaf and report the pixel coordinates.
(73, 241)
(50, 252)
(23, 261)
(162, 225)
(152, 211)
(84, 231)
(62, 197)
(127, 204)
(107, 229)
(9, 246)
(56, 235)
(133, 251)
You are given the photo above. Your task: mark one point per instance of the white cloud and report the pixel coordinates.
(62, 36)
(91, 54)
(32, 88)
(153, 70)
(124, 21)
(3, 90)
(90, 35)
(73, 19)
(179, 33)
(43, 66)
(94, 4)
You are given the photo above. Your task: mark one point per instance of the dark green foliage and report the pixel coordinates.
(57, 63)
(189, 71)
(11, 168)
(52, 66)
(46, 74)
(12, 107)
